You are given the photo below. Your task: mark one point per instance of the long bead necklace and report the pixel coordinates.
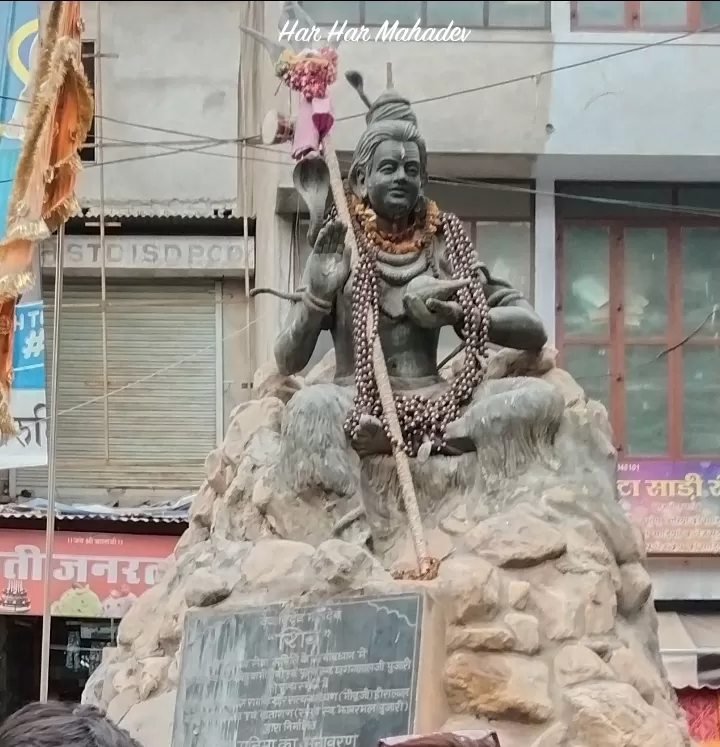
(421, 418)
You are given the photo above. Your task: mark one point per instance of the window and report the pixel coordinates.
(652, 15)
(87, 153)
(505, 247)
(530, 14)
(636, 291)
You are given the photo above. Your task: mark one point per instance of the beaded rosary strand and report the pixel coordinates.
(421, 418)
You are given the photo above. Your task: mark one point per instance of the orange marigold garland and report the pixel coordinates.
(413, 239)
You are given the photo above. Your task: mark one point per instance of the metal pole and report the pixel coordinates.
(243, 118)
(246, 242)
(52, 450)
(103, 283)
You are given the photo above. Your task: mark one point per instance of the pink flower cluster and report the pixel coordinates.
(311, 75)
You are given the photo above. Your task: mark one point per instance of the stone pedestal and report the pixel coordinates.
(546, 630)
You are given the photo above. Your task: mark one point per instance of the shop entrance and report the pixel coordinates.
(19, 662)
(75, 652)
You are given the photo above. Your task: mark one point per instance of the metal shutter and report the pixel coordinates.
(160, 428)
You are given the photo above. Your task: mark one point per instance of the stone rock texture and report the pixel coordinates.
(551, 631)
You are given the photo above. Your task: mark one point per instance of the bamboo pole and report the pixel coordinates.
(427, 566)
(52, 465)
(244, 185)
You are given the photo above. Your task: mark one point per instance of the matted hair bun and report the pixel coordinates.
(389, 106)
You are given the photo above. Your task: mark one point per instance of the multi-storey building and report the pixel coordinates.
(577, 140)
(580, 145)
(151, 366)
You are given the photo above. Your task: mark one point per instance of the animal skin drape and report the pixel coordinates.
(59, 115)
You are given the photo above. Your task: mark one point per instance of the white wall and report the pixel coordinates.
(171, 66)
(509, 119)
(178, 70)
(504, 120)
(644, 114)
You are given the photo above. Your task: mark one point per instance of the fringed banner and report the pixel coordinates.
(57, 118)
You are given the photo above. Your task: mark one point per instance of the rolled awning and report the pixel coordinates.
(690, 648)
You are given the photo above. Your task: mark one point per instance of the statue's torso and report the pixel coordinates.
(409, 350)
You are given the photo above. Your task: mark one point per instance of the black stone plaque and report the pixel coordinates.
(338, 674)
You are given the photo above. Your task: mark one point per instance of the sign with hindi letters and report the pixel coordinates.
(338, 674)
(93, 575)
(676, 504)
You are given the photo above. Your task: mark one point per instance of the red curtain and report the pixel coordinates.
(702, 708)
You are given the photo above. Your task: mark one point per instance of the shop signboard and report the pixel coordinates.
(93, 575)
(675, 503)
(154, 255)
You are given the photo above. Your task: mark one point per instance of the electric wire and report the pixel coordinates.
(439, 97)
(208, 142)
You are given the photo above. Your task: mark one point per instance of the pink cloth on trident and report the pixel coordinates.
(314, 120)
(322, 115)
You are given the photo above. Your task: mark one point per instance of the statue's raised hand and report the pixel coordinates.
(427, 302)
(329, 263)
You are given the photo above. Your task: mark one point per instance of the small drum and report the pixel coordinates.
(277, 129)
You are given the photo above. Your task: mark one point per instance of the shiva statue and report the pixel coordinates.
(417, 272)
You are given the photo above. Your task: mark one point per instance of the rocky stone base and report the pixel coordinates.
(551, 629)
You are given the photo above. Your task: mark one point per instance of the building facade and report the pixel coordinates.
(573, 138)
(153, 360)
(576, 140)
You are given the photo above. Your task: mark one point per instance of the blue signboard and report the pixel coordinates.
(29, 347)
(19, 23)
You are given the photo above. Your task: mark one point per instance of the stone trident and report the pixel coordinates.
(317, 169)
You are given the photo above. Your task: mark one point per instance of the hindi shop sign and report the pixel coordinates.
(155, 255)
(339, 674)
(93, 575)
(676, 504)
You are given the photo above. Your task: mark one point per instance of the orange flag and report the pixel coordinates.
(58, 119)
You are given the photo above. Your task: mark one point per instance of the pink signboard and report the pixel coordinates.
(676, 504)
(93, 575)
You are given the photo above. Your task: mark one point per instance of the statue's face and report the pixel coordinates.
(394, 179)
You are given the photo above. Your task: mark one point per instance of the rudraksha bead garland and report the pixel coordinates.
(420, 417)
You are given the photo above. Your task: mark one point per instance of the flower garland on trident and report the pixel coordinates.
(310, 73)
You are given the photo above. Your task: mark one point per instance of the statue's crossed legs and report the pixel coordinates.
(509, 422)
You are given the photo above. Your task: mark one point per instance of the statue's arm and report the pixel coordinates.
(513, 321)
(326, 273)
(297, 339)
(305, 321)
